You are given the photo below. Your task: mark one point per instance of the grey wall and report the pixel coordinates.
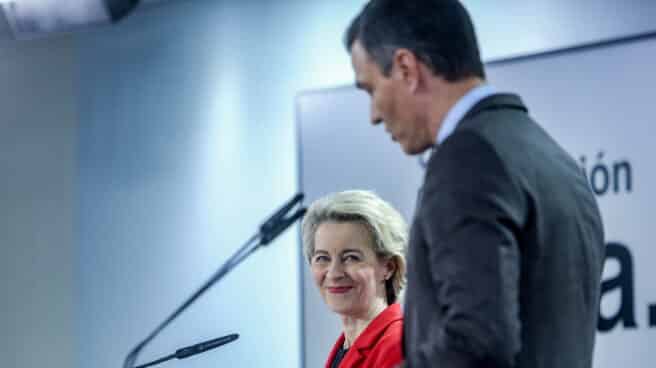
(38, 131)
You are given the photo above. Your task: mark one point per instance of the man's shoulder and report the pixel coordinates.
(470, 146)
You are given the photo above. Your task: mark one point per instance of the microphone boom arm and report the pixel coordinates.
(269, 230)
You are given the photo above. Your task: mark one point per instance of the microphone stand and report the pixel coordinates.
(269, 230)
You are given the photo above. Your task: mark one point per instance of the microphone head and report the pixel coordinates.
(120, 8)
(205, 346)
(269, 234)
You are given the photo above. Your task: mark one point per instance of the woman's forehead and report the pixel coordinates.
(343, 236)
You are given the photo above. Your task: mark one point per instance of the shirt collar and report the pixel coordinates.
(460, 109)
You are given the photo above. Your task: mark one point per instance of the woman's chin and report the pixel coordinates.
(341, 307)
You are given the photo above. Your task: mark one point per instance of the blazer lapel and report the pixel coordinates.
(333, 352)
(370, 336)
(353, 357)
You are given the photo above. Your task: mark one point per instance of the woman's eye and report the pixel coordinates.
(351, 258)
(320, 259)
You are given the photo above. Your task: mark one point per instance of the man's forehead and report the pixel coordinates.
(361, 67)
(359, 55)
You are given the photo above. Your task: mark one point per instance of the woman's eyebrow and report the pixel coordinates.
(352, 250)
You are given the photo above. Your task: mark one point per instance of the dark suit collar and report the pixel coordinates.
(497, 101)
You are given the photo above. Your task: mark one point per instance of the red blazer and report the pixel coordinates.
(378, 346)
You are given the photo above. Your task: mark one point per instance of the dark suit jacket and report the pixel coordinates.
(506, 249)
(378, 346)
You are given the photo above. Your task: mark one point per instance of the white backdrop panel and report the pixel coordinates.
(596, 102)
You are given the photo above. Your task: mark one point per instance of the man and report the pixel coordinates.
(506, 248)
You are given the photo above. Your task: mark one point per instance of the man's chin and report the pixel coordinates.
(412, 150)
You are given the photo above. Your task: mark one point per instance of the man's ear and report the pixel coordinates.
(405, 67)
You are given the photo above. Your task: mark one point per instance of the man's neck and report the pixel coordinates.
(445, 96)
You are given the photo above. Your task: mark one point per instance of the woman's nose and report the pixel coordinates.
(335, 270)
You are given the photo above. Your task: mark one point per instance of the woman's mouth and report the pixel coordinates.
(339, 289)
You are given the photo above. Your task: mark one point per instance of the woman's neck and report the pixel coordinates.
(354, 325)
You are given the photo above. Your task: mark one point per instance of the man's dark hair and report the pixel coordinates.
(439, 32)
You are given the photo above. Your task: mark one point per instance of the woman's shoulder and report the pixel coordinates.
(391, 324)
(392, 334)
(388, 350)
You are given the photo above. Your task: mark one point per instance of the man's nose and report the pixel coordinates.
(375, 116)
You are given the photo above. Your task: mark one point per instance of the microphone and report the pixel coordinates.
(268, 231)
(278, 222)
(118, 9)
(205, 346)
(192, 350)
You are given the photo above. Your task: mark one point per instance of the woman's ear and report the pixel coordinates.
(390, 268)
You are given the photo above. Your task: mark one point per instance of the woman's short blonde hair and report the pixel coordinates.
(385, 224)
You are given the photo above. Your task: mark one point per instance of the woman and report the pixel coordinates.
(355, 244)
